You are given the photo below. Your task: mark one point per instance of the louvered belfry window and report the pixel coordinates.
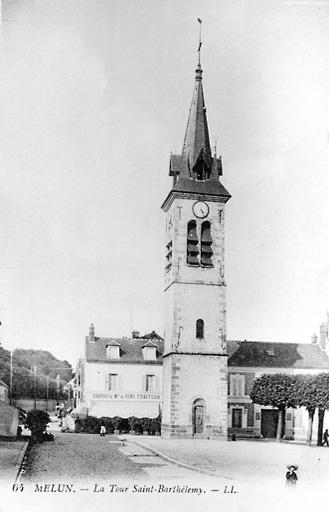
(206, 245)
(192, 243)
(169, 255)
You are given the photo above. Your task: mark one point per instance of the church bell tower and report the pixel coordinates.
(195, 355)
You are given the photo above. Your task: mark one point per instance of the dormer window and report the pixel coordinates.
(201, 169)
(113, 350)
(149, 351)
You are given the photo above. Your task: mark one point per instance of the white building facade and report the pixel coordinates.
(120, 376)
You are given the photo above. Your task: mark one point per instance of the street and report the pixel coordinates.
(85, 457)
(81, 468)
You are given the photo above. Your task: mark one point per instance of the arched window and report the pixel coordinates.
(192, 256)
(200, 329)
(206, 243)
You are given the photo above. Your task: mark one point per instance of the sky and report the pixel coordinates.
(94, 95)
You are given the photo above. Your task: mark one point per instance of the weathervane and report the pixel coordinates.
(200, 42)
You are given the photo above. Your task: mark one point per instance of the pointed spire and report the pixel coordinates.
(196, 142)
(195, 170)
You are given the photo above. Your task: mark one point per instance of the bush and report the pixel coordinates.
(156, 424)
(135, 424)
(146, 424)
(117, 423)
(108, 424)
(124, 427)
(37, 422)
(91, 425)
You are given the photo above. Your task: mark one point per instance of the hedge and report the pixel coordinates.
(92, 425)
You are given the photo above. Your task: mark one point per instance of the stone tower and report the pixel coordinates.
(195, 356)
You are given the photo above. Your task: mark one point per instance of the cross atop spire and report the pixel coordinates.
(200, 44)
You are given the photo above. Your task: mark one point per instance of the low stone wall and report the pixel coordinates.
(8, 420)
(28, 404)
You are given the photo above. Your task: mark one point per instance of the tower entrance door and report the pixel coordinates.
(198, 416)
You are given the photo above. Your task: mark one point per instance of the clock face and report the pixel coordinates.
(200, 209)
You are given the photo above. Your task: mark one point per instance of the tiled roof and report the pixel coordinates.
(240, 353)
(211, 187)
(130, 350)
(277, 355)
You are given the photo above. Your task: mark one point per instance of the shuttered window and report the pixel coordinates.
(169, 255)
(206, 245)
(237, 385)
(150, 383)
(113, 381)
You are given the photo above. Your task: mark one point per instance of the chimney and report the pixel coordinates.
(314, 339)
(323, 335)
(135, 334)
(91, 332)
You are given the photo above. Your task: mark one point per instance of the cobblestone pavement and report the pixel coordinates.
(85, 457)
(79, 457)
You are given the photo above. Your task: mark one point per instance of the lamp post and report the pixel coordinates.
(47, 395)
(58, 378)
(11, 378)
(35, 385)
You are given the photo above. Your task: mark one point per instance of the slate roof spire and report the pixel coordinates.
(196, 139)
(196, 170)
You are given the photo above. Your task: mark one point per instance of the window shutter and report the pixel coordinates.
(206, 243)
(192, 255)
(143, 383)
(120, 382)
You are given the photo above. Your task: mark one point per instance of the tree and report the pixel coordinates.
(306, 396)
(277, 390)
(322, 399)
(37, 422)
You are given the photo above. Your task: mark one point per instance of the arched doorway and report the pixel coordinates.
(198, 414)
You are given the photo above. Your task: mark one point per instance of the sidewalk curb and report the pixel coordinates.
(176, 462)
(20, 460)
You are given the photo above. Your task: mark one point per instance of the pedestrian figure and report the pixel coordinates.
(291, 476)
(102, 431)
(325, 437)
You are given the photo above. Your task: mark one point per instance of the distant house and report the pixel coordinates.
(4, 392)
(250, 359)
(8, 414)
(120, 376)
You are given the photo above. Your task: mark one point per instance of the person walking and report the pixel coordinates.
(102, 431)
(325, 437)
